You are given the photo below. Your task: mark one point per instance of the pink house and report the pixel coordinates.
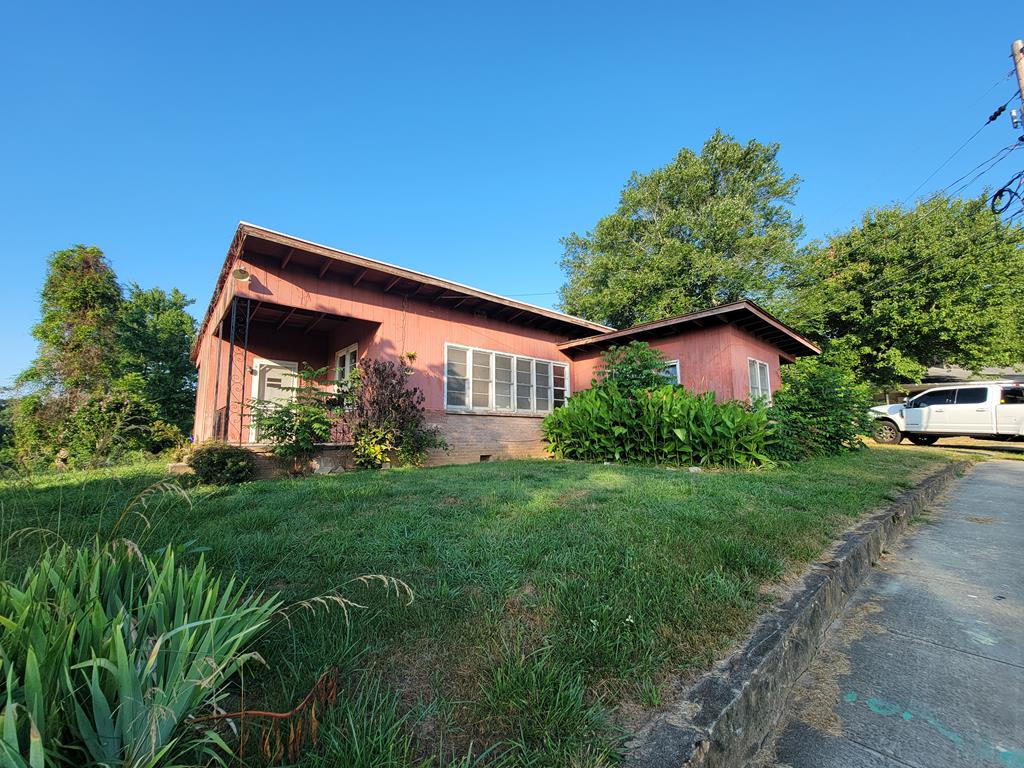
(490, 367)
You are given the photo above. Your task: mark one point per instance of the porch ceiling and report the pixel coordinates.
(266, 315)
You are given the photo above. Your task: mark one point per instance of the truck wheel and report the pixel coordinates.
(922, 439)
(887, 433)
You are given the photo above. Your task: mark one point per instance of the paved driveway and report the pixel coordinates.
(925, 668)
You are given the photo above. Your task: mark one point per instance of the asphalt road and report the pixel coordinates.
(925, 667)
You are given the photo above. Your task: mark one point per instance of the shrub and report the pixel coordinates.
(667, 425)
(220, 464)
(386, 415)
(820, 410)
(107, 653)
(294, 428)
(634, 366)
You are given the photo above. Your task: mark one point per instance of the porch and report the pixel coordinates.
(255, 353)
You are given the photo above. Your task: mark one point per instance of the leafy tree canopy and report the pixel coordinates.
(903, 290)
(156, 337)
(706, 229)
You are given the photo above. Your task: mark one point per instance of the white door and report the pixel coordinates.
(273, 381)
(927, 412)
(972, 412)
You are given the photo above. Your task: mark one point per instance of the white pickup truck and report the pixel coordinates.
(992, 410)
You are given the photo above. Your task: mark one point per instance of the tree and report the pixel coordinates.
(632, 367)
(939, 284)
(705, 229)
(111, 376)
(77, 332)
(156, 334)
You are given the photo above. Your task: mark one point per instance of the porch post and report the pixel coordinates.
(231, 361)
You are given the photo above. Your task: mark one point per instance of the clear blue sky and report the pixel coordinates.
(462, 140)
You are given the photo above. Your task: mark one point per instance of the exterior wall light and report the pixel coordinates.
(241, 275)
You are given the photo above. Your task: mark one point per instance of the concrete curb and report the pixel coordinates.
(726, 715)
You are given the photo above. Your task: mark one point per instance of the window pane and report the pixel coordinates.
(524, 384)
(671, 373)
(939, 397)
(1013, 396)
(971, 396)
(481, 379)
(457, 362)
(766, 389)
(503, 382)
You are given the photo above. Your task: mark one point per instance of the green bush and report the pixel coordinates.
(820, 410)
(296, 427)
(106, 654)
(667, 425)
(386, 417)
(220, 464)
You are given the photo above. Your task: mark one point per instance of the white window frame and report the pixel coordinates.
(767, 376)
(342, 354)
(514, 408)
(679, 372)
(254, 388)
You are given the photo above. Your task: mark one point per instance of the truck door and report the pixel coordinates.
(927, 411)
(1010, 411)
(973, 411)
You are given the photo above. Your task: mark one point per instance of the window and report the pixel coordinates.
(671, 372)
(561, 383)
(345, 363)
(481, 397)
(757, 373)
(481, 380)
(503, 382)
(456, 377)
(938, 397)
(524, 384)
(971, 396)
(1012, 396)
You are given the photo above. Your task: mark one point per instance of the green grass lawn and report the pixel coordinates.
(550, 597)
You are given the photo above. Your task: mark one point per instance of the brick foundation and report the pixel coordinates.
(471, 436)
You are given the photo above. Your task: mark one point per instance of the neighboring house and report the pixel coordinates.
(489, 367)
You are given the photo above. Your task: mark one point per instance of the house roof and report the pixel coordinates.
(743, 314)
(251, 241)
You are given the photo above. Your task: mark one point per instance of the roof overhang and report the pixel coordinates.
(745, 315)
(284, 252)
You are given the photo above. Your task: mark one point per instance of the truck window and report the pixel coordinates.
(1012, 396)
(971, 396)
(938, 397)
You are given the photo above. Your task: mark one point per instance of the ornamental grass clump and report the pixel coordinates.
(106, 654)
(665, 425)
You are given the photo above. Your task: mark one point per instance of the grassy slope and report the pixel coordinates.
(543, 589)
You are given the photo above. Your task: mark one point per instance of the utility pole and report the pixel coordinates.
(1017, 54)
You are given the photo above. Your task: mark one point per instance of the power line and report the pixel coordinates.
(991, 119)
